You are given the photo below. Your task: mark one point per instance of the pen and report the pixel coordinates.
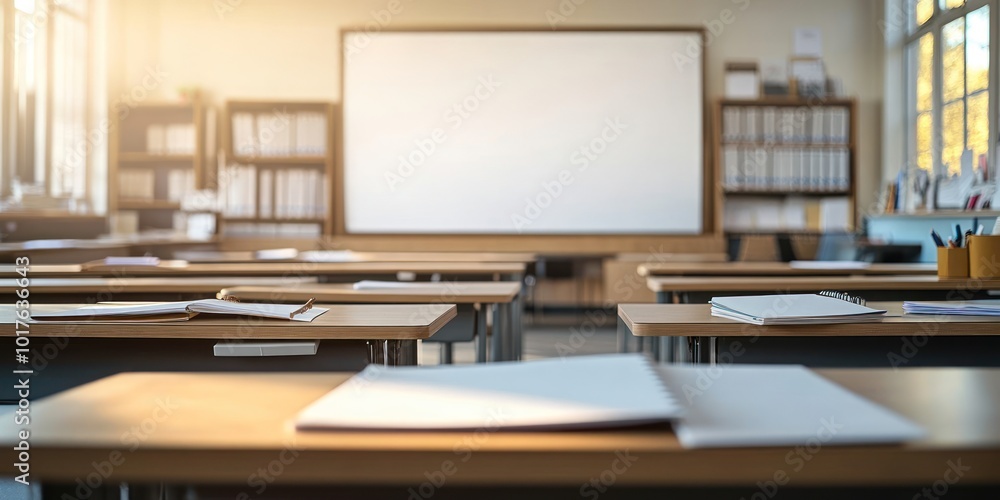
(951, 243)
(958, 232)
(937, 238)
(979, 232)
(968, 234)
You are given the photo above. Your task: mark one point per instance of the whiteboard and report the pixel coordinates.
(580, 132)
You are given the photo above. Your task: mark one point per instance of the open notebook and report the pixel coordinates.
(180, 311)
(794, 309)
(709, 406)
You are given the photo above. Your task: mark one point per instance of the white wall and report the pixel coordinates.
(289, 49)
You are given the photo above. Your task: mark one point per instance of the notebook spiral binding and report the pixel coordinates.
(854, 299)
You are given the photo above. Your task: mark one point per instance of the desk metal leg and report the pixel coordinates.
(481, 337)
(623, 335)
(496, 334)
(666, 349)
(392, 352)
(506, 330)
(713, 350)
(517, 312)
(447, 353)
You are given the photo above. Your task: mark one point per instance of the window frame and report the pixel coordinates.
(8, 122)
(935, 26)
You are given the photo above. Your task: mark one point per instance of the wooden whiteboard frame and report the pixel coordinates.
(599, 242)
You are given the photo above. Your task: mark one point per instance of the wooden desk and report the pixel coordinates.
(469, 296)
(69, 353)
(775, 269)
(667, 287)
(300, 269)
(248, 256)
(220, 428)
(665, 324)
(105, 289)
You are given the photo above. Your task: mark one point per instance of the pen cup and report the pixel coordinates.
(952, 262)
(984, 256)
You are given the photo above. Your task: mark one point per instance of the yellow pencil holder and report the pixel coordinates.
(952, 262)
(984, 256)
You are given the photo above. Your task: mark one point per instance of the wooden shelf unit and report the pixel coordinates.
(130, 152)
(275, 163)
(720, 145)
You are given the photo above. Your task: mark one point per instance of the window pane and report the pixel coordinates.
(953, 59)
(925, 71)
(922, 10)
(69, 86)
(925, 156)
(953, 136)
(977, 50)
(951, 4)
(979, 125)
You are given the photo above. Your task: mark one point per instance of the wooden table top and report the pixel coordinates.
(97, 286)
(774, 269)
(785, 284)
(458, 292)
(667, 320)
(216, 428)
(673, 258)
(342, 321)
(270, 269)
(248, 256)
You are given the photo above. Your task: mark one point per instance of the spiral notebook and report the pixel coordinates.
(580, 392)
(795, 309)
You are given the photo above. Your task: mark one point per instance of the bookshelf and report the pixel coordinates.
(786, 165)
(277, 169)
(157, 157)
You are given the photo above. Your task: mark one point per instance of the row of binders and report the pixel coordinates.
(776, 169)
(285, 193)
(140, 184)
(279, 133)
(786, 125)
(173, 139)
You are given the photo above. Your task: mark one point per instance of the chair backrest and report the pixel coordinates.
(837, 246)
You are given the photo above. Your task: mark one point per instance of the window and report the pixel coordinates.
(948, 59)
(45, 88)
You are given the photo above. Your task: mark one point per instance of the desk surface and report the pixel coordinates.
(773, 269)
(342, 321)
(813, 283)
(98, 286)
(665, 320)
(223, 427)
(271, 269)
(248, 256)
(459, 292)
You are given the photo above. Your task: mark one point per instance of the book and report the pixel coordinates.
(956, 308)
(180, 311)
(794, 309)
(579, 392)
(776, 405)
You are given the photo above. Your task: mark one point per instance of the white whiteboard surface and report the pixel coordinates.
(523, 133)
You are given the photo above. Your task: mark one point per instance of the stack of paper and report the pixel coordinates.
(798, 309)
(774, 405)
(741, 406)
(958, 308)
(582, 392)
